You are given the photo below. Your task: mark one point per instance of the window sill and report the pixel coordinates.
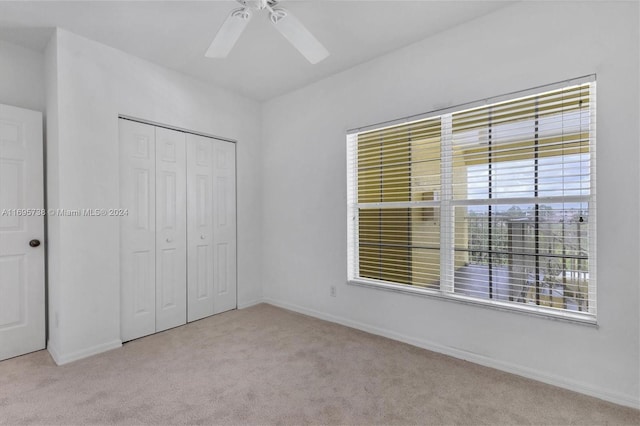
(540, 312)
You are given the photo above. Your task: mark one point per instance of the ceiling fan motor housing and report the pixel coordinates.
(256, 4)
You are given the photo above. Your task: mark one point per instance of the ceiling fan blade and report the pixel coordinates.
(298, 35)
(229, 33)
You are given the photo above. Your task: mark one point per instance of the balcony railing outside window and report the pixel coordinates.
(557, 276)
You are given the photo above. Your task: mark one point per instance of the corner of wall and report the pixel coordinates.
(52, 224)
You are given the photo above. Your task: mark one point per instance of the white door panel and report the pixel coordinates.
(224, 218)
(178, 242)
(200, 269)
(171, 248)
(137, 229)
(22, 304)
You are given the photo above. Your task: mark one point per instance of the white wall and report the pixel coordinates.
(519, 47)
(93, 84)
(21, 77)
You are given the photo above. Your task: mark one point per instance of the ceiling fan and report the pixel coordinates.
(288, 25)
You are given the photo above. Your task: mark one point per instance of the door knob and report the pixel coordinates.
(34, 243)
(169, 240)
(202, 237)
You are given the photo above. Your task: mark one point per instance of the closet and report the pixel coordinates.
(178, 229)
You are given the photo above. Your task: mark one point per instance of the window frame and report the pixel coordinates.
(447, 203)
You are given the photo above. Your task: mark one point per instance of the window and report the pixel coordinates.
(492, 204)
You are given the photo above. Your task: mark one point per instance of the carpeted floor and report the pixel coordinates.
(265, 365)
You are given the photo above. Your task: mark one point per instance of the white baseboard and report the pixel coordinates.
(250, 304)
(61, 359)
(584, 388)
(51, 348)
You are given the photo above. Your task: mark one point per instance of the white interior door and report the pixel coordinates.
(199, 227)
(211, 226)
(22, 304)
(171, 224)
(224, 223)
(137, 229)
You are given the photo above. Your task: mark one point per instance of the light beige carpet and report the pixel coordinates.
(265, 365)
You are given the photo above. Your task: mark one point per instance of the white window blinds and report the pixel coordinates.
(493, 203)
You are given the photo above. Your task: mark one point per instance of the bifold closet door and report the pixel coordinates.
(171, 229)
(224, 226)
(153, 234)
(137, 229)
(211, 226)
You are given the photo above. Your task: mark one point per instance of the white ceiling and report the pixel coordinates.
(263, 64)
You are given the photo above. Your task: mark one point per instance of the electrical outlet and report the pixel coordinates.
(332, 291)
